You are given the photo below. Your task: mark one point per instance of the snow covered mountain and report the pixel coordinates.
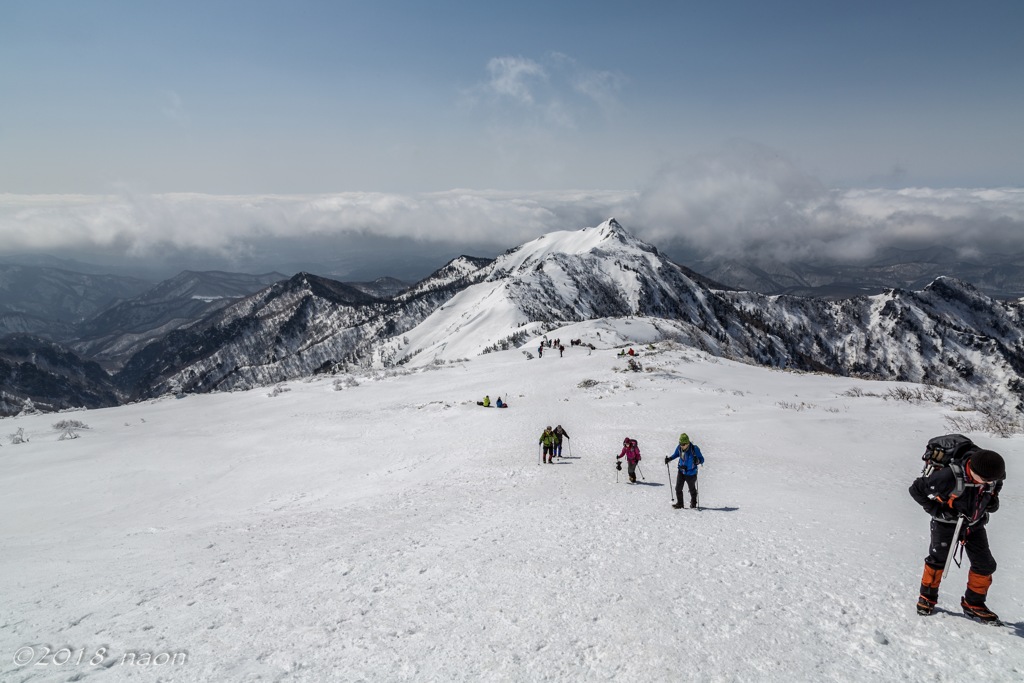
(299, 327)
(559, 278)
(949, 334)
(48, 302)
(115, 334)
(36, 374)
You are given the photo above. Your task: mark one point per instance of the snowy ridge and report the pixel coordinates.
(948, 334)
(559, 278)
(455, 271)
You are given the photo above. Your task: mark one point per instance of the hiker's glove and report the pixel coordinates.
(943, 512)
(618, 464)
(667, 460)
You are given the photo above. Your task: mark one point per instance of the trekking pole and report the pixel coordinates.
(696, 489)
(640, 472)
(538, 454)
(670, 490)
(618, 466)
(953, 543)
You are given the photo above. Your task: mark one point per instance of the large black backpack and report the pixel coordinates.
(948, 450)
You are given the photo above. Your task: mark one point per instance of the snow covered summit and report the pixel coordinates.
(559, 278)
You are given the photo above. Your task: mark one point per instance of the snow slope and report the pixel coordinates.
(559, 277)
(386, 528)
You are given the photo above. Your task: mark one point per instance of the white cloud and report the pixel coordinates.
(748, 201)
(600, 87)
(514, 77)
(144, 226)
(556, 92)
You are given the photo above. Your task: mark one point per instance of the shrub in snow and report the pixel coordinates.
(513, 341)
(174, 387)
(28, 408)
(912, 394)
(69, 424)
(798, 407)
(278, 390)
(68, 433)
(996, 422)
(346, 382)
(587, 383)
(19, 436)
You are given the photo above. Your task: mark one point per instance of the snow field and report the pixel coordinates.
(396, 531)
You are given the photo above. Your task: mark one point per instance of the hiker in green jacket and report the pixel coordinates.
(547, 440)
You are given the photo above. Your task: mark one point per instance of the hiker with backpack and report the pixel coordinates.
(547, 442)
(560, 434)
(631, 451)
(690, 457)
(961, 493)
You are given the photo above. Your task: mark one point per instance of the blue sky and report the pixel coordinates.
(399, 98)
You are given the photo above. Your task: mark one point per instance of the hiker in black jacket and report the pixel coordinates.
(560, 434)
(947, 494)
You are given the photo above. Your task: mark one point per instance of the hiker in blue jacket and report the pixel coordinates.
(689, 458)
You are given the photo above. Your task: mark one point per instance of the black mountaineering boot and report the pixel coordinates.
(978, 612)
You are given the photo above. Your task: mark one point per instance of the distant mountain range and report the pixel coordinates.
(211, 332)
(48, 301)
(1000, 276)
(118, 332)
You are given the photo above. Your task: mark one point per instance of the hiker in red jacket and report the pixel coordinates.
(631, 452)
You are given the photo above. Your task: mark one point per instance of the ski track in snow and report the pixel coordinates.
(395, 531)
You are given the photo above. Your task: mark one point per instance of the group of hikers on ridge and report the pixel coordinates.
(687, 453)
(689, 456)
(551, 443)
(959, 495)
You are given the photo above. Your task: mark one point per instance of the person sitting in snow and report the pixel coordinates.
(631, 452)
(982, 474)
(560, 434)
(547, 442)
(501, 404)
(689, 458)
(486, 402)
